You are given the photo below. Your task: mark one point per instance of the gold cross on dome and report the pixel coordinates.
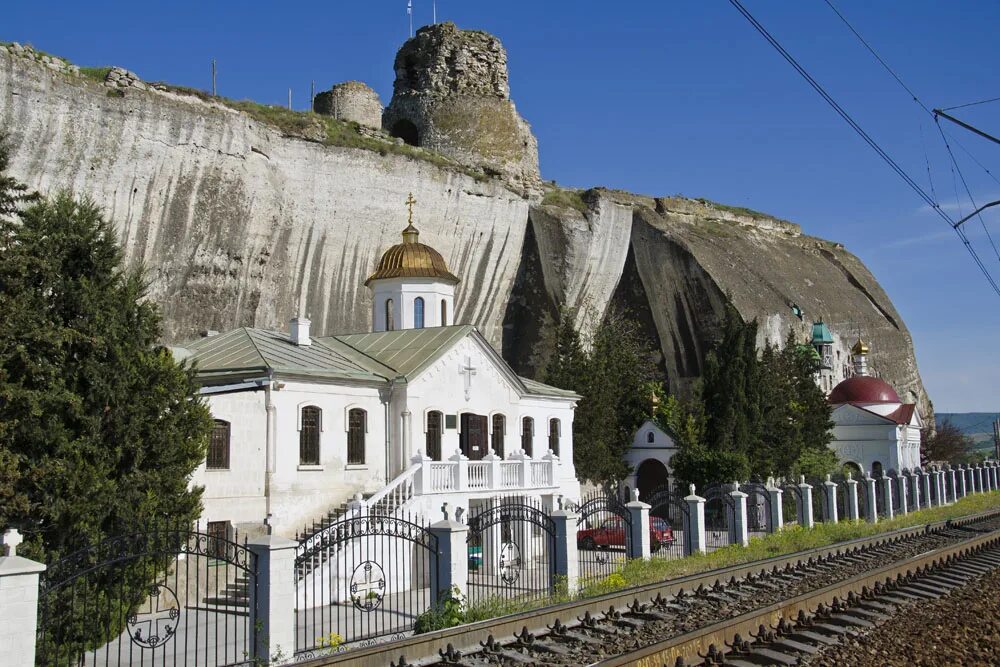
(410, 201)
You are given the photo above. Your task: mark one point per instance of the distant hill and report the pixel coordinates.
(977, 425)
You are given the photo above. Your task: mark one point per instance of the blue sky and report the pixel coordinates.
(657, 97)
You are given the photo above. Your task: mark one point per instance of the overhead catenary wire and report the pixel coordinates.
(970, 104)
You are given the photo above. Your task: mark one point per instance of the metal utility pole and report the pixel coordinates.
(312, 94)
(938, 112)
(434, 10)
(996, 438)
(213, 77)
(289, 99)
(409, 13)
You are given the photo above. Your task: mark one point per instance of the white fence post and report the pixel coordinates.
(275, 596)
(915, 501)
(695, 535)
(18, 603)
(567, 557)
(887, 492)
(742, 528)
(925, 479)
(832, 514)
(903, 484)
(422, 481)
(640, 546)
(806, 518)
(452, 569)
(777, 511)
(871, 507)
(493, 471)
(963, 487)
(853, 509)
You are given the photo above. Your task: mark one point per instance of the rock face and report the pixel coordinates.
(239, 224)
(451, 95)
(352, 101)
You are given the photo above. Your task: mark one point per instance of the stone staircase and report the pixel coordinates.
(234, 598)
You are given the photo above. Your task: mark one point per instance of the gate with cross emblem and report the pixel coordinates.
(169, 595)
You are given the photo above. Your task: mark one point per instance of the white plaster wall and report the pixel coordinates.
(237, 494)
(662, 449)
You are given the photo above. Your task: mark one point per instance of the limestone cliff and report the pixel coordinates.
(240, 224)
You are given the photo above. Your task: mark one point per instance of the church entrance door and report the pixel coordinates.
(475, 431)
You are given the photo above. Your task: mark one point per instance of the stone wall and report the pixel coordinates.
(352, 101)
(451, 95)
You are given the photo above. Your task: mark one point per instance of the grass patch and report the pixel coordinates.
(736, 210)
(98, 74)
(565, 199)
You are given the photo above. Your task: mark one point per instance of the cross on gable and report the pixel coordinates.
(468, 370)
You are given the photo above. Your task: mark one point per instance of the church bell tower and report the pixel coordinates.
(413, 288)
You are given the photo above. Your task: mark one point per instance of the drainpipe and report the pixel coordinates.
(387, 402)
(269, 438)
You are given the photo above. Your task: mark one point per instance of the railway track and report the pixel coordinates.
(697, 617)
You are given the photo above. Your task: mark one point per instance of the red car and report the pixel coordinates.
(611, 533)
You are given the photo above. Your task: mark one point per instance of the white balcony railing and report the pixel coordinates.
(458, 474)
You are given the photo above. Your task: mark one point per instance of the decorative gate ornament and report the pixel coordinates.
(156, 622)
(510, 562)
(368, 586)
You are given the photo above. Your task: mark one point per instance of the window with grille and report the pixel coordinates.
(418, 313)
(390, 317)
(218, 447)
(309, 435)
(434, 435)
(444, 313)
(499, 426)
(356, 436)
(554, 436)
(527, 433)
(218, 535)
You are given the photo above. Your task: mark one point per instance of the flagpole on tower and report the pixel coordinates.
(409, 13)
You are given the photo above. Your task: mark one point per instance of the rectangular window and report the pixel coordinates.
(527, 434)
(434, 435)
(451, 421)
(309, 435)
(499, 426)
(554, 436)
(356, 437)
(218, 447)
(218, 535)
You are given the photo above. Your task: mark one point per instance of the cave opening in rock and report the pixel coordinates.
(406, 131)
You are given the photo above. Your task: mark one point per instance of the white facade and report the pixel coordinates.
(866, 437)
(396, 303)
(649, 458)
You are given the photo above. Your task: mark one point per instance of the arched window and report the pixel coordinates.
(876, 469)
(650, 437)
(434, 420)
(444, 312)
(218, 447)
(499, 426)
(390, 323)
(554, 436)
(312, 424)
(418, 313)
(356, 426)
(527, 434)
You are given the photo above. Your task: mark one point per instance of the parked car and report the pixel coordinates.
(611, 533)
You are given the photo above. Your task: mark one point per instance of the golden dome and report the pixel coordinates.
(860, 347)
(412, 259)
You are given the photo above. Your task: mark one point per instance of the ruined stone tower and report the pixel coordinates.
(451, 95)
(351, 100)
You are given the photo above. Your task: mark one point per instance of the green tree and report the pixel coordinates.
(612, 372)
(947, 443)
(100, 429)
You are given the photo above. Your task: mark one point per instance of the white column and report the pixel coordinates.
(493, 471)
(979, 478)
(806, 519)
(694, 536)
(640, 546)
(777, 518)
(963, 489)
(742, 528)
(925, 479)
(970, 480)
(422, 480)
(952, 482)
(915, 499)
(18, 603)
(853, 513)
(462, 475)
(407, 436)
(831, 500)
(887, 491)
(871, 508)
(567, 559)
(275, 596)
(903, 490)
(452, 569)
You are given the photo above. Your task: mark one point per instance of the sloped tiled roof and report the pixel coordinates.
(259, 350)
(547, 390)
(407, 352)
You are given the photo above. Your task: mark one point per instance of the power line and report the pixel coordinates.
(865, 136)
(970, 104)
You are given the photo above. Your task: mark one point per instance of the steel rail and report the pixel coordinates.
(467, 638)
(690, 644)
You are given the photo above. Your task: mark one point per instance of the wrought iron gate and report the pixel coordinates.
(511, 551)
(668, 506)
(604, 536)
(791, 502)
(166, 596)
(821, 508)
(360, 579)
(720, 516)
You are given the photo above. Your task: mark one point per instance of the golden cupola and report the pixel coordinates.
(411, 258)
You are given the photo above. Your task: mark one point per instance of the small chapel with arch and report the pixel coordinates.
(418, 411)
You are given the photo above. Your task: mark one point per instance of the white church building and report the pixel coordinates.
(418, 412)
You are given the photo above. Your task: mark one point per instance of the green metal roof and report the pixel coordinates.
(534, 387)
(259, 350)
(407, 352)
(821, 334)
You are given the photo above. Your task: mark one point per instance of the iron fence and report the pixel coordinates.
(668, 505)
(604, 536)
